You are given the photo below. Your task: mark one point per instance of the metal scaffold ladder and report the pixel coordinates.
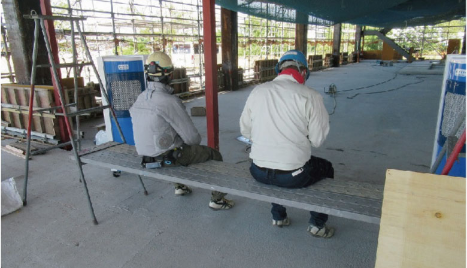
(39, 22)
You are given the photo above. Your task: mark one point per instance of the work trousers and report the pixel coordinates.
(314, 170)
(193, 154)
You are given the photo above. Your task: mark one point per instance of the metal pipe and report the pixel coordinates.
(75, 74)
(112, 15)
(31, 101)
(54, 108)
(65, 65)
(24, 132)
(144, 188)
(439, 158)
(200, 46)
(45, 17)
(162, 27)
(83, 111)
(423, 41)
(26, 111)
(450, 162)
(50, 148)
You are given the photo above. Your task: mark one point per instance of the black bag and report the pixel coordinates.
(320, 169)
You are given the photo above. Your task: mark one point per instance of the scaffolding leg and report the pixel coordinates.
(70, 133)
(31, 101)
(75, 78)
(142, 184)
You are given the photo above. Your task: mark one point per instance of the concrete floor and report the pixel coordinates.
(393, 127)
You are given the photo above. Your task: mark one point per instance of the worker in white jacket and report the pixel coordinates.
(163, 131)
(284, 119)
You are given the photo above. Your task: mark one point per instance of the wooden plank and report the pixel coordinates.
(15, 94)
(43, 123)
(46, 99)
(26, 112)
(70, 82)
(87, 97)
(38, 121)
(19, 123)
(14, 151)
(5, 96)
(387, 53)
(422, 222)
(20, 147)
(18, 96)
(6, 116)
(82, 98)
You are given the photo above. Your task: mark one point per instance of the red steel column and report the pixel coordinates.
(210, 59)
(46, 9)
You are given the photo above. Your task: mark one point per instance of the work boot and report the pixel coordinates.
(181, 189)
(280, 223)
(324, 232)
(221, 204)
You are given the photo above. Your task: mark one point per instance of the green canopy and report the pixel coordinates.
(387, 13)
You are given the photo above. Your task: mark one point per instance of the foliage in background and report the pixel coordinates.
(430, 41)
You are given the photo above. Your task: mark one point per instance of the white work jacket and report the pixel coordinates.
(160, 121)
(284, 119)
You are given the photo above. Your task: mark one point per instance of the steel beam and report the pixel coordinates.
(301, 35)
(358, 41)
(211, 88)
(46, 10)
(229, 21)
(336, 45)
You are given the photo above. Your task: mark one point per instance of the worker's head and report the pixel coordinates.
(159, 67)
(296, 60)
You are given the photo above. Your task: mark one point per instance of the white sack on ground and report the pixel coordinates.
(11, 200)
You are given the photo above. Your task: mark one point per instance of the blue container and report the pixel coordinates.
(454, 93)
(124, 82)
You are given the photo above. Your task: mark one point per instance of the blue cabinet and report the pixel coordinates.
(452, 105)
(124, 81)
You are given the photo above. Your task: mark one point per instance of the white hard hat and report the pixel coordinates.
(163, 61)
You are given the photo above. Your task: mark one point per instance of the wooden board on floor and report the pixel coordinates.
(423, 221)
(14, 151)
